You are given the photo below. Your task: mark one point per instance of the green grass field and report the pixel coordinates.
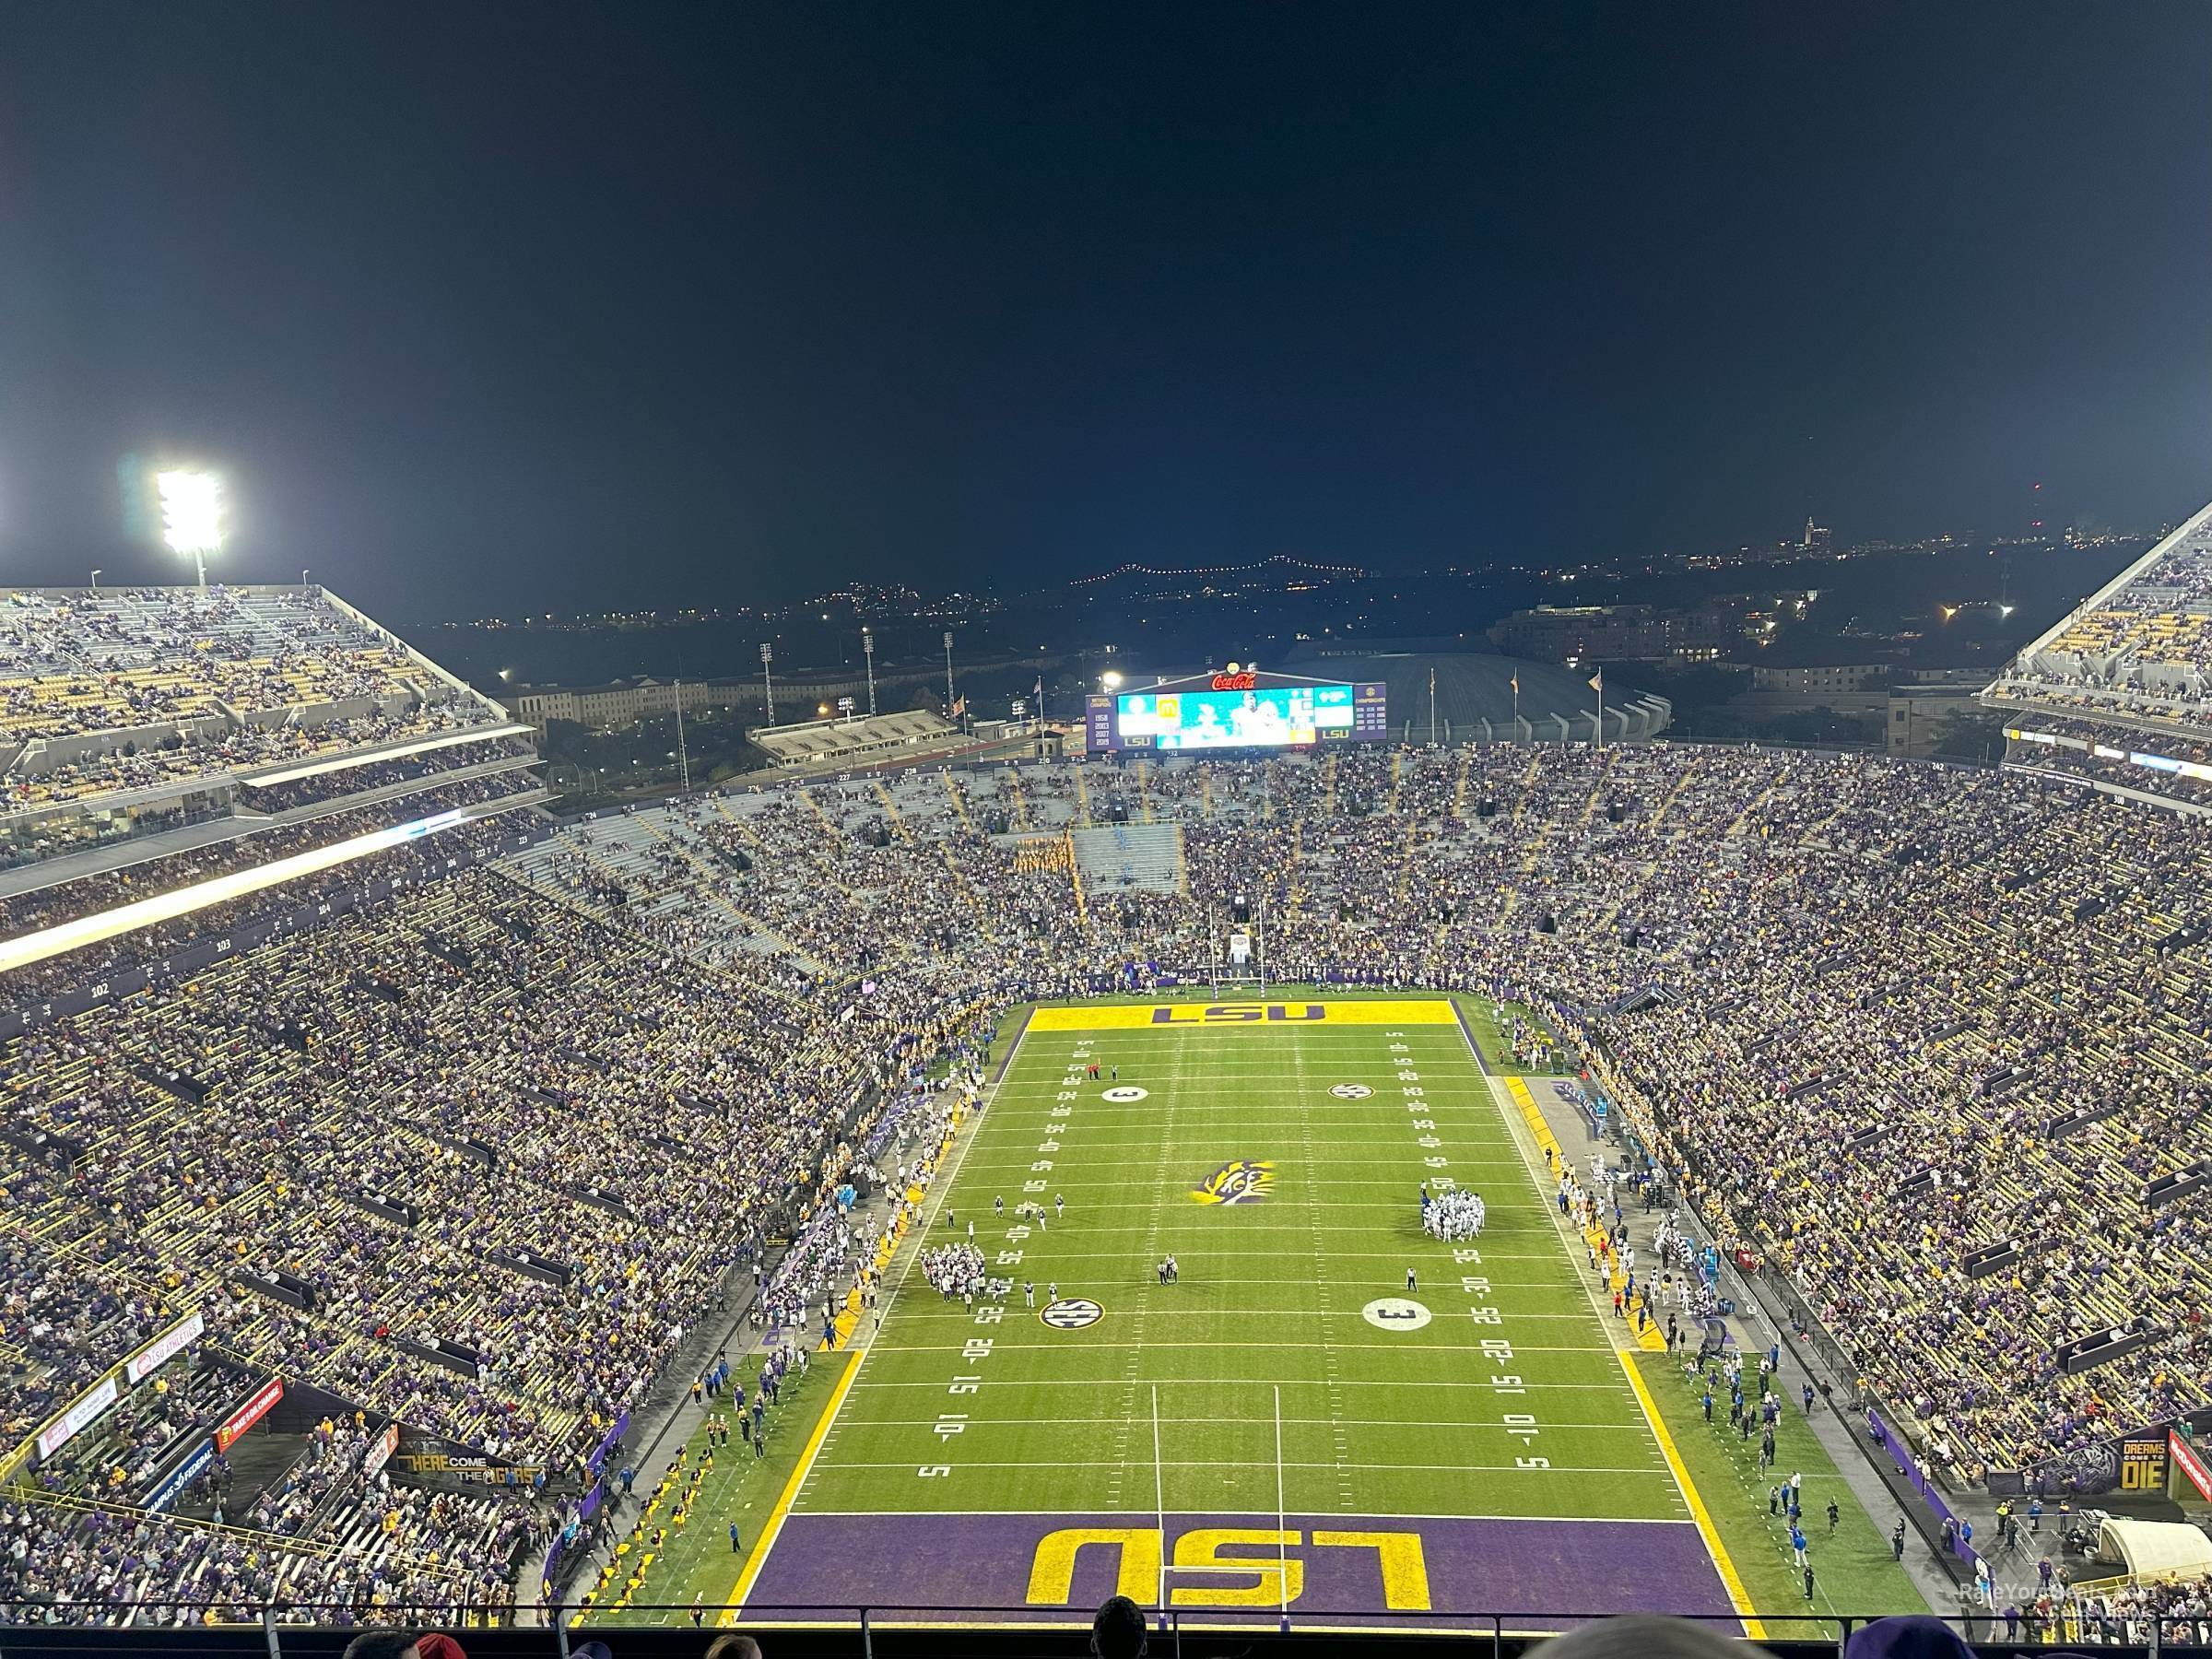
(1489, 1454)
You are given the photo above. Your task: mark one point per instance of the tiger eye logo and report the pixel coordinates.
(1243, 1181)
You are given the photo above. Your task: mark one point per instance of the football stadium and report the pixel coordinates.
(1321, 1185)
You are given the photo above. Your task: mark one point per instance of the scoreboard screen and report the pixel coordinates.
(1232, 711)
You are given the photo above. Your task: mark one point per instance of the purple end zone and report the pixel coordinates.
(983, 1569)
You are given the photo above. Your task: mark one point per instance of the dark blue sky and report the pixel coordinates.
(489, 305)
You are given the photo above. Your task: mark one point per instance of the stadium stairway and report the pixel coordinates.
(1148, 856)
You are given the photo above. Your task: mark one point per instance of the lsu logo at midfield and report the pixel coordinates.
(1241, 1181)
(1235, 1013)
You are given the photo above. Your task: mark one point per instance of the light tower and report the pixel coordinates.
(949, 698)
(867, 649)
(768, 686)
(191, 516)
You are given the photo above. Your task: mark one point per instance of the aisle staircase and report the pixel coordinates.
(1130, 855)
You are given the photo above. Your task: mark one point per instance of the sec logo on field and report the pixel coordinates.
(1395, 1314)
(1125, 1095)
(1071, 1313)
(1351, 1091)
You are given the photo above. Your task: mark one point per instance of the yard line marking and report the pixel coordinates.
(1255, 1424)
(1242, 1309)
(1391, 1515)
(1176, 1463)
(1608, 1387)
(1405, 1345)
(1275, 1253)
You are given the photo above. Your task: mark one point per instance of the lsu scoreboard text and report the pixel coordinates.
(1236, 712)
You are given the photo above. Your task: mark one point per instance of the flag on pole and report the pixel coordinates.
(1039, 690)
(1516, 682)
(1597, 680)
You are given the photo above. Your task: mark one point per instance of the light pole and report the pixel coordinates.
(867, 649)
(191, 516)
(96, 580)
(768, 686)
(949, 698)
(683, 750)
(303, 575)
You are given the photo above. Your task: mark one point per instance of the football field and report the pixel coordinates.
(1469, 1444)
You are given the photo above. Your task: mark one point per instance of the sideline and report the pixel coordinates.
(1731, 1580)
(1650, 1339)
(1698, 1512)
(941, 1186)
(799, 1472)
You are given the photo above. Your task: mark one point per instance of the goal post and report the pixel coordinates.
(1237, 949)
(1168, 1568)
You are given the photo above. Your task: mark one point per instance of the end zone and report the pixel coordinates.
(1238, 1015)
(1435, 1572)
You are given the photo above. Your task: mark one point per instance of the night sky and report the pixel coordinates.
(486, 307)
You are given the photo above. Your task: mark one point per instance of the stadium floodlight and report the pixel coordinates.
(191, 516)
(1109, 679)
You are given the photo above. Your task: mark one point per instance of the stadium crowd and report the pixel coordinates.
(119, 689)
(2140, 652)
(47, 906)
(1873, 1018)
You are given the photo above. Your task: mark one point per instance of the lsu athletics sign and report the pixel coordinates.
(1243, 1016)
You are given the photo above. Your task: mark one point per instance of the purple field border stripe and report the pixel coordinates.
(1537, 1574)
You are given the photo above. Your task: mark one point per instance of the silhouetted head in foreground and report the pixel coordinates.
(1918, 1637)
(1118, 1631)
(1641, 1637)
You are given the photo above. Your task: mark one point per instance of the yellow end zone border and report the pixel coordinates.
(1651, 1339)
(1241, 1015)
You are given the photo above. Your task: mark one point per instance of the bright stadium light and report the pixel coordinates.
(191, 516)
(1109, 679)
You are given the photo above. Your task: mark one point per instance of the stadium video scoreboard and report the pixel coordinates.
(1236, 711)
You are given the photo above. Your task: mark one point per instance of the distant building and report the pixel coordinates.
(626, 702)
(1818, 538)
(1616, 633)
(1846, 676)
(1916, 713)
